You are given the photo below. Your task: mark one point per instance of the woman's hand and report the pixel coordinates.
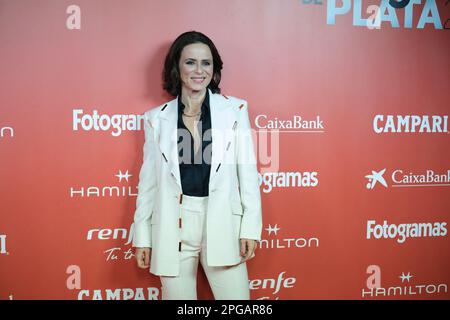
(248, 247)
(143, 257)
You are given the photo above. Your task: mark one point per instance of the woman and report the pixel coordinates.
(198, 193)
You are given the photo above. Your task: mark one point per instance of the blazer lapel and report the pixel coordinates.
(168, 138)
(222, 122)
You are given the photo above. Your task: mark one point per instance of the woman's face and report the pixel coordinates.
(196, 67)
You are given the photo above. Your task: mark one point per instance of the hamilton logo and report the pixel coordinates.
(123, 176)
(271, 229)
(274, 241)
(115, 189)
(406, 277)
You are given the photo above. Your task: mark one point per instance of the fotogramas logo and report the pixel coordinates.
(275, 241)
(295, 124)
(113, 235)
(270, 180)
(407, 285)
(105, 191)
(400, 178)
(115, 124)
(404, 231)
(273, 285)
(410, 124)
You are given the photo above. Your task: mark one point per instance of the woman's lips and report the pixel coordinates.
(198, 79)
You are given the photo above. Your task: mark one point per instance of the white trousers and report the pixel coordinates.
(227, 283)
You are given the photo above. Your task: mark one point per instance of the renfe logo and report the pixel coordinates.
(108, 234)
(386, 11)
(275, 284)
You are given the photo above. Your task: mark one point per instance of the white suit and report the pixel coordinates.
(233, 186)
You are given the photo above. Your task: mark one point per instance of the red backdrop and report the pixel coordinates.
(372, 144)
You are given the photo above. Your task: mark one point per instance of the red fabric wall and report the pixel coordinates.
(62, 238)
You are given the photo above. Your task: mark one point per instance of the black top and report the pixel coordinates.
(195, 169)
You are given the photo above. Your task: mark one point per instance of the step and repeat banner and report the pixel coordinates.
(349, 101)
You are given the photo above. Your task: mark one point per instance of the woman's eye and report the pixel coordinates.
(206, 63)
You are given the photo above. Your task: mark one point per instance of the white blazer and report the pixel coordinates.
(234, 204)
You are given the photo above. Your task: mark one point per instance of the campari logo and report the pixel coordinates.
(410, 124)
(149, 293)
(74, 281)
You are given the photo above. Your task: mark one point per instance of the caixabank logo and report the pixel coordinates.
(294, 124)
(407, 286)
(404, 178)
(379, 14)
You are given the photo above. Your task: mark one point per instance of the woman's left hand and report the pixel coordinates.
(248, 247)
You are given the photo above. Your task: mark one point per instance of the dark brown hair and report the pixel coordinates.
(171, 72)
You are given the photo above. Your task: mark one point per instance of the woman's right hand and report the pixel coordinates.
(143, 257)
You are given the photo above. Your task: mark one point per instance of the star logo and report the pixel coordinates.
(374, 178)
(273, 229)
(404, 277)
(121, 175)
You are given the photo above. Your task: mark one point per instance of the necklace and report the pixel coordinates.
(191, 115)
